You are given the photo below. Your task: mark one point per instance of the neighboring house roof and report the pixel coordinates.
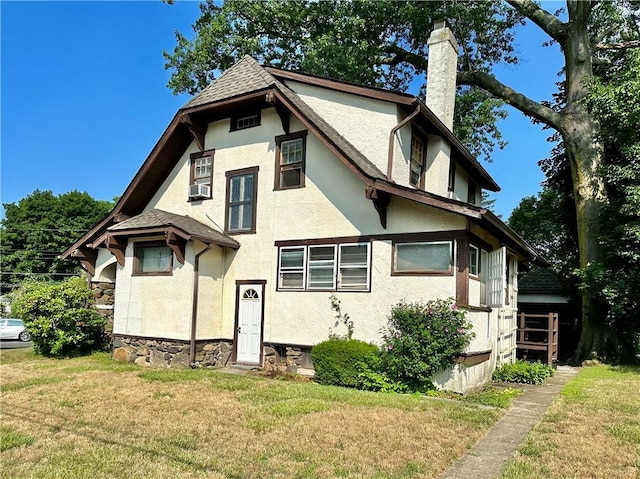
(247, 81)
(157, 219)
(542, 281)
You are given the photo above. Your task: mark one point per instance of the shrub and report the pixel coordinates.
(59, 317)
(523, 372)
(421, 339)
(336, 360)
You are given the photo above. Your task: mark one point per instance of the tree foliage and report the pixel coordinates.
(59, 317)
(385, 43)
(40, 227)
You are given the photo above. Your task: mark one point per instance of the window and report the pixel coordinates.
(152, 259)
(201, 175)
(290, 160)
(434, 257)
(474, 260)
(416, 176)
(325, 267)
(452, 177)
(241, 200)
(471, 192)
(291, 271)
(245, 121)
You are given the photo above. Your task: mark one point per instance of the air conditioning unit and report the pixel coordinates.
(199, 191)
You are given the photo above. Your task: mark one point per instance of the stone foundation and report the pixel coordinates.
(170, 353)
(281, 359)
(104, 298)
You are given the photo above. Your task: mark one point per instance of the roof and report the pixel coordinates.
(540, 280)
(158, 219)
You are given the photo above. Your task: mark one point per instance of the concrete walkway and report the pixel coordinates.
(486, 459)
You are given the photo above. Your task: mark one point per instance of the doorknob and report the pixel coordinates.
(239, 329)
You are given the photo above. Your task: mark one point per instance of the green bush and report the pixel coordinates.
(59, 317)
(421, 339)
(523, 372)
(336, 360)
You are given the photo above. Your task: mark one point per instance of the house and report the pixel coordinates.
(272, 190)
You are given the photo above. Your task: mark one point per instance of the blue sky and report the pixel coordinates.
(84, 97)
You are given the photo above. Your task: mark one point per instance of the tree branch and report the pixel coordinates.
(526, 105)
(618, 45)
(547, 22)
(399, 55)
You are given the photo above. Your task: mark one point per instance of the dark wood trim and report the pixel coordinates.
(257, 94)
(476, 309)
(117, 247)
(473, 358)
(381, 202)
(149, 244)
(423, 167)
(447, 235)
(263, 283)
(177, 245)
(87, 258)
(197, 129)
(184, 341)
(192, 171)
(462, 271)
(229, 174)
(278, 165)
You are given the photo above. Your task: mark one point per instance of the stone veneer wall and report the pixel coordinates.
(170, 353)
(104, 298)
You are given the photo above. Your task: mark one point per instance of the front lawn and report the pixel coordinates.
(591, 430)
(92, 417)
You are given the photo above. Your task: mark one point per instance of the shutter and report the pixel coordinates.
(497, 279)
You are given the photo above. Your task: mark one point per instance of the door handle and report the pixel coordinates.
(239, 329)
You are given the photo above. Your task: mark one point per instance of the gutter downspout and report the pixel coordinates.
(194, 311)
(392, 140)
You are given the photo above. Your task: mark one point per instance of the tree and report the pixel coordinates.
(39, 227)
(385, 43)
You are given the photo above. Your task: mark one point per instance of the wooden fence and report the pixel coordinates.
(538, 333)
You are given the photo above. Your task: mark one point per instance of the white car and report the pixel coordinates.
(13, 329)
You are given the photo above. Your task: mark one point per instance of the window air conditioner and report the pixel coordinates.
(199, 191)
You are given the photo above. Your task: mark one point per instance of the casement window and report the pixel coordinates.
(153, 259)
(290, 160)
(471, 192)
(452, 177)
(325, 267)
(484, 277)
(416, 175)
(241, 200)
(433, 257)
(241, 122)
(474, 261)
(201, 175)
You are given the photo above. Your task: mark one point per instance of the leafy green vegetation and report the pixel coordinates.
(523, 372)
(336, 360)
(59, 317)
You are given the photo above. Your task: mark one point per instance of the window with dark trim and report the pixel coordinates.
(432, 257)
(290, 160)
(471, 192)
(152, 259)
(201, 175)
(418, 151)
(242, 190)
(452, 177)
(474, 261)
(247, 120)
(325, 267)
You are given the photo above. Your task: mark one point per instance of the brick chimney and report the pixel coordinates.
(440, 98)
(441, 72)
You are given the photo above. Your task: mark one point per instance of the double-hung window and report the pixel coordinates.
(241, 200)
(153, 258)
(290, 160)
(474, 261)
(433, 257)
(325, 267)
(416, 176)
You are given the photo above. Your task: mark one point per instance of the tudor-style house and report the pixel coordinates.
(271, 190)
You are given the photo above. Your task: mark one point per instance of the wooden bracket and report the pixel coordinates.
(197, 130)
(177, 245)
(283, 112)
(117, 246)
(87, 258)
(381, 200)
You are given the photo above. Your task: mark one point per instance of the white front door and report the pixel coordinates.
(249, 323)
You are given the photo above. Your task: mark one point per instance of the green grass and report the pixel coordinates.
(10, 438)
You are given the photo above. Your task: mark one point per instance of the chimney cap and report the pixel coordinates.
(439, 24)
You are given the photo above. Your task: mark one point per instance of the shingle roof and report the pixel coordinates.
(246, 76)
(541, 280)
(156, 218)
